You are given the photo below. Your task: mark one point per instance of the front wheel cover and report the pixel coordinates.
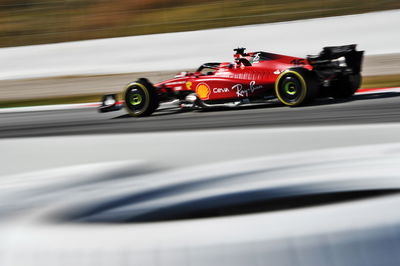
(291, 88)
(138, 99)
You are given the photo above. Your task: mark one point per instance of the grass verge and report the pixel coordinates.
(52, 100)
(25, 22)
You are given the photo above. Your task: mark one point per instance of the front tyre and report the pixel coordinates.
(296, 86)
(140, 98)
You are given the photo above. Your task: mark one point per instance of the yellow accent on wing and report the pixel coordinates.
(189, 85)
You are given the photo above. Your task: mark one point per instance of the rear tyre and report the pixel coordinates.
(296, 86)
(140, 98)
(346, 86)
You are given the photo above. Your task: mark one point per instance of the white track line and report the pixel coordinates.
(48, 107)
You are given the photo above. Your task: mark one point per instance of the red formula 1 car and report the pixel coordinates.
(252, 78)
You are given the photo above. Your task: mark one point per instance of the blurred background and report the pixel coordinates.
(255, 185)
(26, 22)
(69, 71)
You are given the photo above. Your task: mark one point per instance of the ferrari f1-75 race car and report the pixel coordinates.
(253, 78)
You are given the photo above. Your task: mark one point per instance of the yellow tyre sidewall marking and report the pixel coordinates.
(303, 84)
(146, 92)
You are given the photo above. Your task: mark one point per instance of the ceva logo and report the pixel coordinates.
(220, 90)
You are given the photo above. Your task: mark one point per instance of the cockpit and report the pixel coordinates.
(210, 68)
(207, 69)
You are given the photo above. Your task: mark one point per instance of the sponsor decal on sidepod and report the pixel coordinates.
(203, 91)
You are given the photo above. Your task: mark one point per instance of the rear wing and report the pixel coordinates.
(340, 57)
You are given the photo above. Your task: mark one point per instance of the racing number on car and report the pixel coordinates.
(298, 62)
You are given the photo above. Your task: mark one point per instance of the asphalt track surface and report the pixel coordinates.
(378, 107)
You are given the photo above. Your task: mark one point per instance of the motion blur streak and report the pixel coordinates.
(171, 51)
(347, 197)
(39, 21)
(259, 184)
(372, 107)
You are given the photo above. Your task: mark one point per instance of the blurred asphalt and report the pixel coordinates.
(379, 107)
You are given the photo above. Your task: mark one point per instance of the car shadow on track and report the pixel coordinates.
(158, 113)
(356, 97)
(241, 107)
(317, 102)
(270, 104)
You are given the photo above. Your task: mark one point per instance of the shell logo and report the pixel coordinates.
(203, 91)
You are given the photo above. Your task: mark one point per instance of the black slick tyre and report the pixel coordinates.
(140, 98)
(346, 86)
(296, 86)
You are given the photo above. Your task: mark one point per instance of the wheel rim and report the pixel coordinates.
(136, 99)
(290, 89)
